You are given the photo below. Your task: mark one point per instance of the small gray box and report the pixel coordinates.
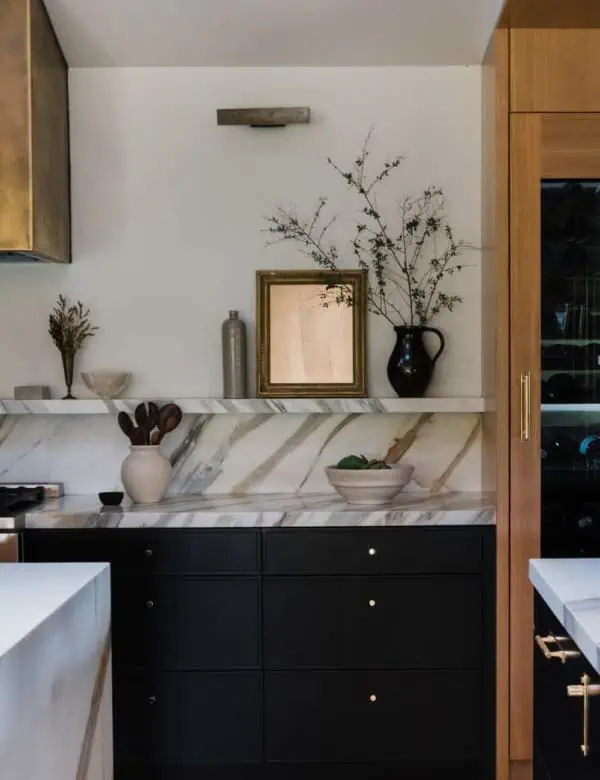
(32, 393)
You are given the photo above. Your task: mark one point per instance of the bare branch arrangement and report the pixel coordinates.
(406, 263)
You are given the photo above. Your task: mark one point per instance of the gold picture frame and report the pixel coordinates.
(296, 332)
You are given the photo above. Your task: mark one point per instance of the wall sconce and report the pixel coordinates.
(263, 117)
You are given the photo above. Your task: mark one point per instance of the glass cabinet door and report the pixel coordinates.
(570, 367)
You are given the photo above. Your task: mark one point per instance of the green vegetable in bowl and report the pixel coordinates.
(361, 463)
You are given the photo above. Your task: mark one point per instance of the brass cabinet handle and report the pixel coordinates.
(525, 405)
(585, 690)
(563, 655)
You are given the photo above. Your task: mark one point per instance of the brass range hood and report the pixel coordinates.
(35, 219)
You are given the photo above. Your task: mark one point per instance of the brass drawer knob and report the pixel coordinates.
(372, 602)
(372, 551)
(148, 552)
(372, 697)
(150, 604)
(151, 699)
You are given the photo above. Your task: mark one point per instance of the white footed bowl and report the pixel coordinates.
(369, 487)
(106, 384)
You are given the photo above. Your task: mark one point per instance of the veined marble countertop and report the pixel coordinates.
(55, 671)
(31, 592)
(264, 511)
(571, 588)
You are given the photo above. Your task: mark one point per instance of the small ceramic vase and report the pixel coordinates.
(146, 474)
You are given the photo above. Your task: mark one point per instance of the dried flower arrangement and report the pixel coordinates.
(69, 327)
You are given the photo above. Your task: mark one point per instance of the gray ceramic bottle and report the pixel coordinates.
(234, 357)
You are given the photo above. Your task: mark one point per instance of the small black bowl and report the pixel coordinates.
(111, 498)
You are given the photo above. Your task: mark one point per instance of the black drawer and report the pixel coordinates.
(373, 716)
(188, 718)
(168, 551)
(418, 622)
(187, 623)
(373, 551)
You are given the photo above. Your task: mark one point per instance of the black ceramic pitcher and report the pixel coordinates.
(410, 367)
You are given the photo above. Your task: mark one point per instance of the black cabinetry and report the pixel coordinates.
(297, 653)
(558, 717)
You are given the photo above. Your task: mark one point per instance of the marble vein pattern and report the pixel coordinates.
(245, 453)
(571, 588)
(55, 672)
(251, 405)
(267, 511)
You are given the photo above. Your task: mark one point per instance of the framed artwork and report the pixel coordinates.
(308, 343)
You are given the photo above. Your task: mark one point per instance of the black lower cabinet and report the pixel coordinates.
(188, 623)
(558, 717)
(188, 719)
(373, 622)
(297, 654)
(373, 716)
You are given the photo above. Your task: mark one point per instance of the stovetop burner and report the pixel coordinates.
(15, 499)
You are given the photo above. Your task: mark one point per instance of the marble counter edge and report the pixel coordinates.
(571, 590)
(265, 511)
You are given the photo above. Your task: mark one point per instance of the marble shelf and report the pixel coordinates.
(94, 406)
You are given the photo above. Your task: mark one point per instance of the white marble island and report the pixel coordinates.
(571, 589)
(55, 674)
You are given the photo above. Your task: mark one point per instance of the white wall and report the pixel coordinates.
(168, 208)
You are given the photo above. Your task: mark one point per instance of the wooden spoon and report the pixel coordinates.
(153, 416)
(138, 437)
(170, 417)
(126, 425)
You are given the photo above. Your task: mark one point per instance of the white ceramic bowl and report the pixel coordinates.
(370, 486)
(106, 384)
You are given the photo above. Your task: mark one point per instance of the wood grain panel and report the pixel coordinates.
(496, 384)
(521, 770)
(50, 140)
(525, 289)
(550, 13)
(15, 174)
(571, 146)
(555, 70)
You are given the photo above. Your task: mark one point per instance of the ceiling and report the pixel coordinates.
(122, 33)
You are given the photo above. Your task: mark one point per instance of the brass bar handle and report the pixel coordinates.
(525, 405)
(563, 655)
(585, 690)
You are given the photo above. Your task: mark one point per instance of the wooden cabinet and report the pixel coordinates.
(243, 655)
(555, 163)
(541, 97)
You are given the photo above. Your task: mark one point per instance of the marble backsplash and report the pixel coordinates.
(244, 453)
